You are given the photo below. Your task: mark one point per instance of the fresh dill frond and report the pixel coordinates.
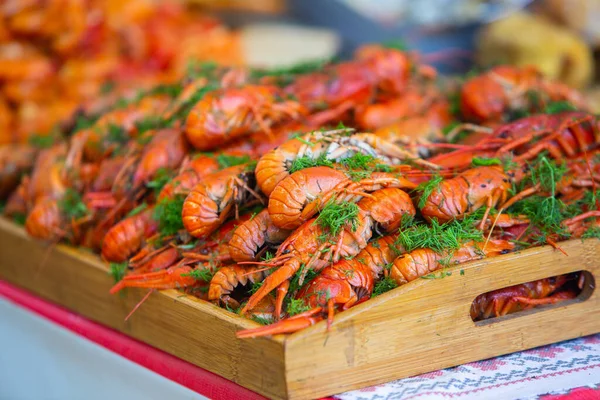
(295, 281)
(285, 75)
(442, 238)
(384, 285)
(426, 188)
(547, 173)
(151, 123)
(396, 44)
(359, 161)
(484, 161)
(116, 134)
(267, 256)
(137, 210)
(226, 160)
(72, 205)
(591, 232)
(255, 287)
(296, 306)
(334, 216)
(41, 141)
(309, 162)
(19, 218)
(186, 106)
(261, 320)
(557, 107)
(107, 87)
(118, 270)
(161, 178)
(168, 214)
(440, 275)
(201, 274)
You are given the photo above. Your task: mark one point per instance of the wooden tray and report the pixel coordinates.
(420, 327)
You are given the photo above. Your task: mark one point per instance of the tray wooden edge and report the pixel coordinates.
(367, 344)
(375, 342)
(184, 326)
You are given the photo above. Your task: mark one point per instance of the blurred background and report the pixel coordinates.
(58, 57)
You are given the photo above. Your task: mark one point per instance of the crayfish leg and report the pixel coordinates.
(281, 275)
(289, 325)
(282, 291)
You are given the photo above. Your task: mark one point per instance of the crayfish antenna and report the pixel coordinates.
(139, 303)
(166, 279)
(290, 325)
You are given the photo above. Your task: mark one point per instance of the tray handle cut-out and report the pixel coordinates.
(584, 293)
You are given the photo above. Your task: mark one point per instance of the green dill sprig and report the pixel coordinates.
(557, 107)
(485, 161)
(426, 188)
(309, 162)
(118, 270)
(261, 320)
(226, 160)
(441, 238)
(161, 178)
(42, 141)
(168, 214)
(137, 210)
(334, 216)
(71, 205)
(296, 306)
(201, 274)
(384, 285)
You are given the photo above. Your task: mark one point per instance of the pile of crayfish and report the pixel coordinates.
(288, 196)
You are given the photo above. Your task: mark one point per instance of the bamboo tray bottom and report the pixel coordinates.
(417, 328)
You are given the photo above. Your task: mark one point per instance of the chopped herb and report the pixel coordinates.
(300, 137)
(439, 238)
(592, 232)
(118, 270)
(188, 246)
(358, 161)
(397, 44)
(19, 218)
(441, 275)
(384, 285)
(255, 287)
(150, 123)
(161, 178)
(226, 161)
(84, 123)
(72, 205)
(261, 320)
(296, 306)
(137, 210)
(116, 134)
(462, 271)
(168, 214)
(41, 141)
(426, 188)
(483, 161)
(308, 162)
(186, 106)
(285, 75)
(268, 256)
(203, 275)
(107, 87)
(294, 282)
(334, 216)
(556, 107)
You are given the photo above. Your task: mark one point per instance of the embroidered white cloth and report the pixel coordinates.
(539, 373)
